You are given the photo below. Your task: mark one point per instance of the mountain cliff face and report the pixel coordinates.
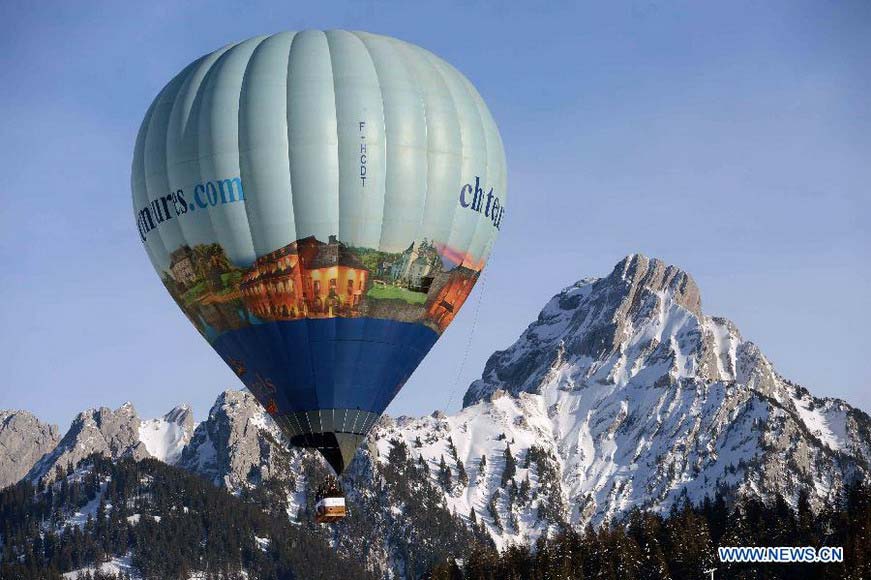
(238, 444)
(622, 393)
(24, 439)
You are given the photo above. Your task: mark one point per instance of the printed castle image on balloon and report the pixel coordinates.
(427, 283)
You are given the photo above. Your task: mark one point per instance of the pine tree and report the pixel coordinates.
(453, 449)
(398, 454)
(523, 490)
(461, 474)
(422, 465)
(514, 520)
(493, 510)
(510, 465)
(444, 474)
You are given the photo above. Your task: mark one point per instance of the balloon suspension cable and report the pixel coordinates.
(454, 388)
(329, 487)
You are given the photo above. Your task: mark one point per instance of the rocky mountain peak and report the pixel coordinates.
(232, 401)
(23, 440)
(639, 274)
(643, 312)
(238, 444)
(111, 433)
(180, 415)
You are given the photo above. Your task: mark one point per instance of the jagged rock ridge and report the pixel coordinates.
(116, 434)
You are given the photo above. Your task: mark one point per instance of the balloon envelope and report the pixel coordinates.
(320, 205)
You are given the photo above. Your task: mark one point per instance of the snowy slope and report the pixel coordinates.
(165, 438)
(116, 565)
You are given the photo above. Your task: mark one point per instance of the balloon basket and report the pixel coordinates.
(330, 502)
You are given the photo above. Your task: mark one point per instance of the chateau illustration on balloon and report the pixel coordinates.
(427, 283)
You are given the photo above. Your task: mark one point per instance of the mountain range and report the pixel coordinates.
(622, 394)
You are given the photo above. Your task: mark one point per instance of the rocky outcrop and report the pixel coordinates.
(24, 439)
(238, 444)
(597, 319)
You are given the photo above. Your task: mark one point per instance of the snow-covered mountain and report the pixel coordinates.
(622, 393)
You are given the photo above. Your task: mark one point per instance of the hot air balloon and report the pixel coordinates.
(320, 205)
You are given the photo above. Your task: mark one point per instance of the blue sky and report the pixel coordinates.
(731, 140)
